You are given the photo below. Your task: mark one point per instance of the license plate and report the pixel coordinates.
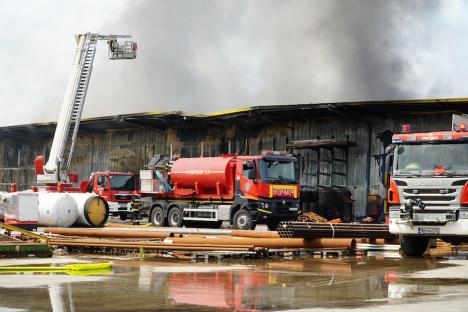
(428, 230)
(428, 288)
(293, 209)
(430, 217)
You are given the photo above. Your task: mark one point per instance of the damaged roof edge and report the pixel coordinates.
(265, 108)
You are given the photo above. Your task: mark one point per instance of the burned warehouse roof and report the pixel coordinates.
(255, 115)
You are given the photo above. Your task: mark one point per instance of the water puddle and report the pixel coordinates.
(362, 283)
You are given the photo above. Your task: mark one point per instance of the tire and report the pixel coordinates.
(175, 217)
(157, 217)
(413, 246)
(123, 216)
(273, 225)
(242, 220)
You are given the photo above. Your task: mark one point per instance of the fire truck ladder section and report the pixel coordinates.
(63, 145)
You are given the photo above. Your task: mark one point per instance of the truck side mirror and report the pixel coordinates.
(387, 170)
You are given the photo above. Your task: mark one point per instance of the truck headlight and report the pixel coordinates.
(463, 214)
(265, 205)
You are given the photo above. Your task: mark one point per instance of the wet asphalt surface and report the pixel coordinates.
(331, 284)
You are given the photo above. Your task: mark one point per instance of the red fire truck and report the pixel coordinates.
(244, 190)
(117, 188)
(427, 179)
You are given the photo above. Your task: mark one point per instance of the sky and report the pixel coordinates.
(210, 55)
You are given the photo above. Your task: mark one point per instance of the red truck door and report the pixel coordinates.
(101, 184)
(247, 173)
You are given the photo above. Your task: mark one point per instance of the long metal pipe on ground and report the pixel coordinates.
(107, 233)
(255, 234)
(141, 243)
(138, 245)
(268, 242)
(213, 242)
(129, 227)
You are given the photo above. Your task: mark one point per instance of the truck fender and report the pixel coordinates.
(236, 207)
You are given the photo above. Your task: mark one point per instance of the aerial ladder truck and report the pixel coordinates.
(53, 175)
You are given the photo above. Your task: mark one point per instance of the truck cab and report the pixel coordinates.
(117, 188)
(266, 189)
(427, 179)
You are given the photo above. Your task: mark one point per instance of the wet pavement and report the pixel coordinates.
(333, 284)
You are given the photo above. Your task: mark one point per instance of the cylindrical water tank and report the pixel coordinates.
(57, 209)
(206, 171)
(93, 210)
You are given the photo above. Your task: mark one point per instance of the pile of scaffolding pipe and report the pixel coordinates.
(292, 229)
(220, 242)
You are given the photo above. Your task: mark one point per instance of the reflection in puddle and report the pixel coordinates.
(249, 286)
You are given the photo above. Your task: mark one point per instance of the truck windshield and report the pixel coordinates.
(449, 159)
(122, 182)
(278, 171)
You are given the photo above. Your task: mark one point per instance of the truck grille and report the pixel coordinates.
(123, 196)
(414, 191)
(426, 199)
(446, 194)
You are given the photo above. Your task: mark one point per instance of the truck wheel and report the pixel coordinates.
(174, 217)
(413, 246)
(123, 216)
(243, 220)
(273, 225)
(157, 216)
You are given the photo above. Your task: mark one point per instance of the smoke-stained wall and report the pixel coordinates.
(131, 149)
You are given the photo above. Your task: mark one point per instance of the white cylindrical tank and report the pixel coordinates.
(93, 210)
(3, 196)
(57, 209)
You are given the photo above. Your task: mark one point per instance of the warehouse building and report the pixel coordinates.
(340, 144)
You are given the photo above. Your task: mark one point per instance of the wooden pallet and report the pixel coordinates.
(268, 253)
(222, 255)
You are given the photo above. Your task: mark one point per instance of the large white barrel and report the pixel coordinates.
(93, 210)
(2, 207)
(57, 209)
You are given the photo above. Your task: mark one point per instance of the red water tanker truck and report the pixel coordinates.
(244, 190)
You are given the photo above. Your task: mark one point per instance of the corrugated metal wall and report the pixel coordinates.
(131, 149)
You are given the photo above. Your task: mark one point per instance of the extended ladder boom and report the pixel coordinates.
(63, 144)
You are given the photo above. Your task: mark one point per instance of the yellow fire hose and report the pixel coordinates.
(69, 267)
